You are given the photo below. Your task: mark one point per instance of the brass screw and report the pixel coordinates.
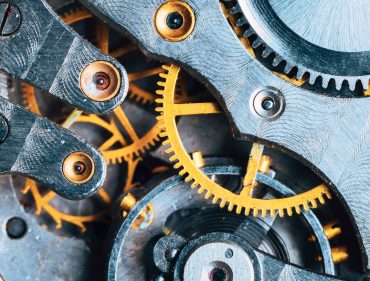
(78, 167)
(174, 20)
(100, 81)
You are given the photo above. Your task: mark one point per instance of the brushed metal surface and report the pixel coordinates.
(40, 254)
(49, 55)
(36, 148)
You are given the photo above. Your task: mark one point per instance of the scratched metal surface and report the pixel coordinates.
(50, 55)
(36, 148)
(40, 254)
(325, 132)
(273, 269)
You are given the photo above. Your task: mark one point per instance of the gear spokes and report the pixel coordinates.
(188, 167)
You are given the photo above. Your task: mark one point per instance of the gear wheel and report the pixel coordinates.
(189, 167)
(326, 40)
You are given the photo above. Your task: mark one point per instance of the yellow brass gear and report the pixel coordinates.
(169, 111)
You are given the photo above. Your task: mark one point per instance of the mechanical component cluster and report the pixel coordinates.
(184, 140)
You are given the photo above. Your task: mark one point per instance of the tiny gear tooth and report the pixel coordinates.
(208, 188)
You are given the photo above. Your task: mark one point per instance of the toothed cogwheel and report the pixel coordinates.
(169, 111)
(326, 40)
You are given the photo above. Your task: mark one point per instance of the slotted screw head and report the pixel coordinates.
(10, 19)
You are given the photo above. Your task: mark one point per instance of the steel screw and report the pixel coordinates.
(10, 17)
(268, 103)
(4, 129)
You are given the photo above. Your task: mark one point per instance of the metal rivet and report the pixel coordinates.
(16, 228)
(4, 129)
(268, 103)
(174, 20)
(229, 254)
(100, 81)
(78, 167)
(10, 17)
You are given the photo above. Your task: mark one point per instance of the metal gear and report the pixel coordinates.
(328, 44)
(169, 110)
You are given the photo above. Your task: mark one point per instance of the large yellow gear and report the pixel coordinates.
(169, 110)
(130, 150)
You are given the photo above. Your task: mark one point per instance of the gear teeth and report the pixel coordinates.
(328, 195)
(255, 213)
(273, 213)
(208, 195)
(249, 32)
(277, 60)
(266, 52)
(164, 135)
(188, 179)
(297, 209)
(289, 212)
(306, 207)
(240, 22)
(321, 199)
(325, 81)
(177, 166)
(223, 203)
(313, 204)
(365, 83)
(235, 10)
(160, 92)
(339, 84)
(215, 200)
(230, 207)
(288, 67)
(173, 158)
(312, 79)
(182, 172)
(238, 209)
(281, 213)
(258, 42)
(194, 185)
(300, 74)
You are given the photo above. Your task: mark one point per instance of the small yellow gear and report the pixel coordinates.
(169, 111)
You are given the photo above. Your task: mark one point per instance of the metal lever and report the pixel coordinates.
(37, 47)
(35, 147)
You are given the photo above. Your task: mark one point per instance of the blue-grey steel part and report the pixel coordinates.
(330, 135)
(36, 148)
(48, 54)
